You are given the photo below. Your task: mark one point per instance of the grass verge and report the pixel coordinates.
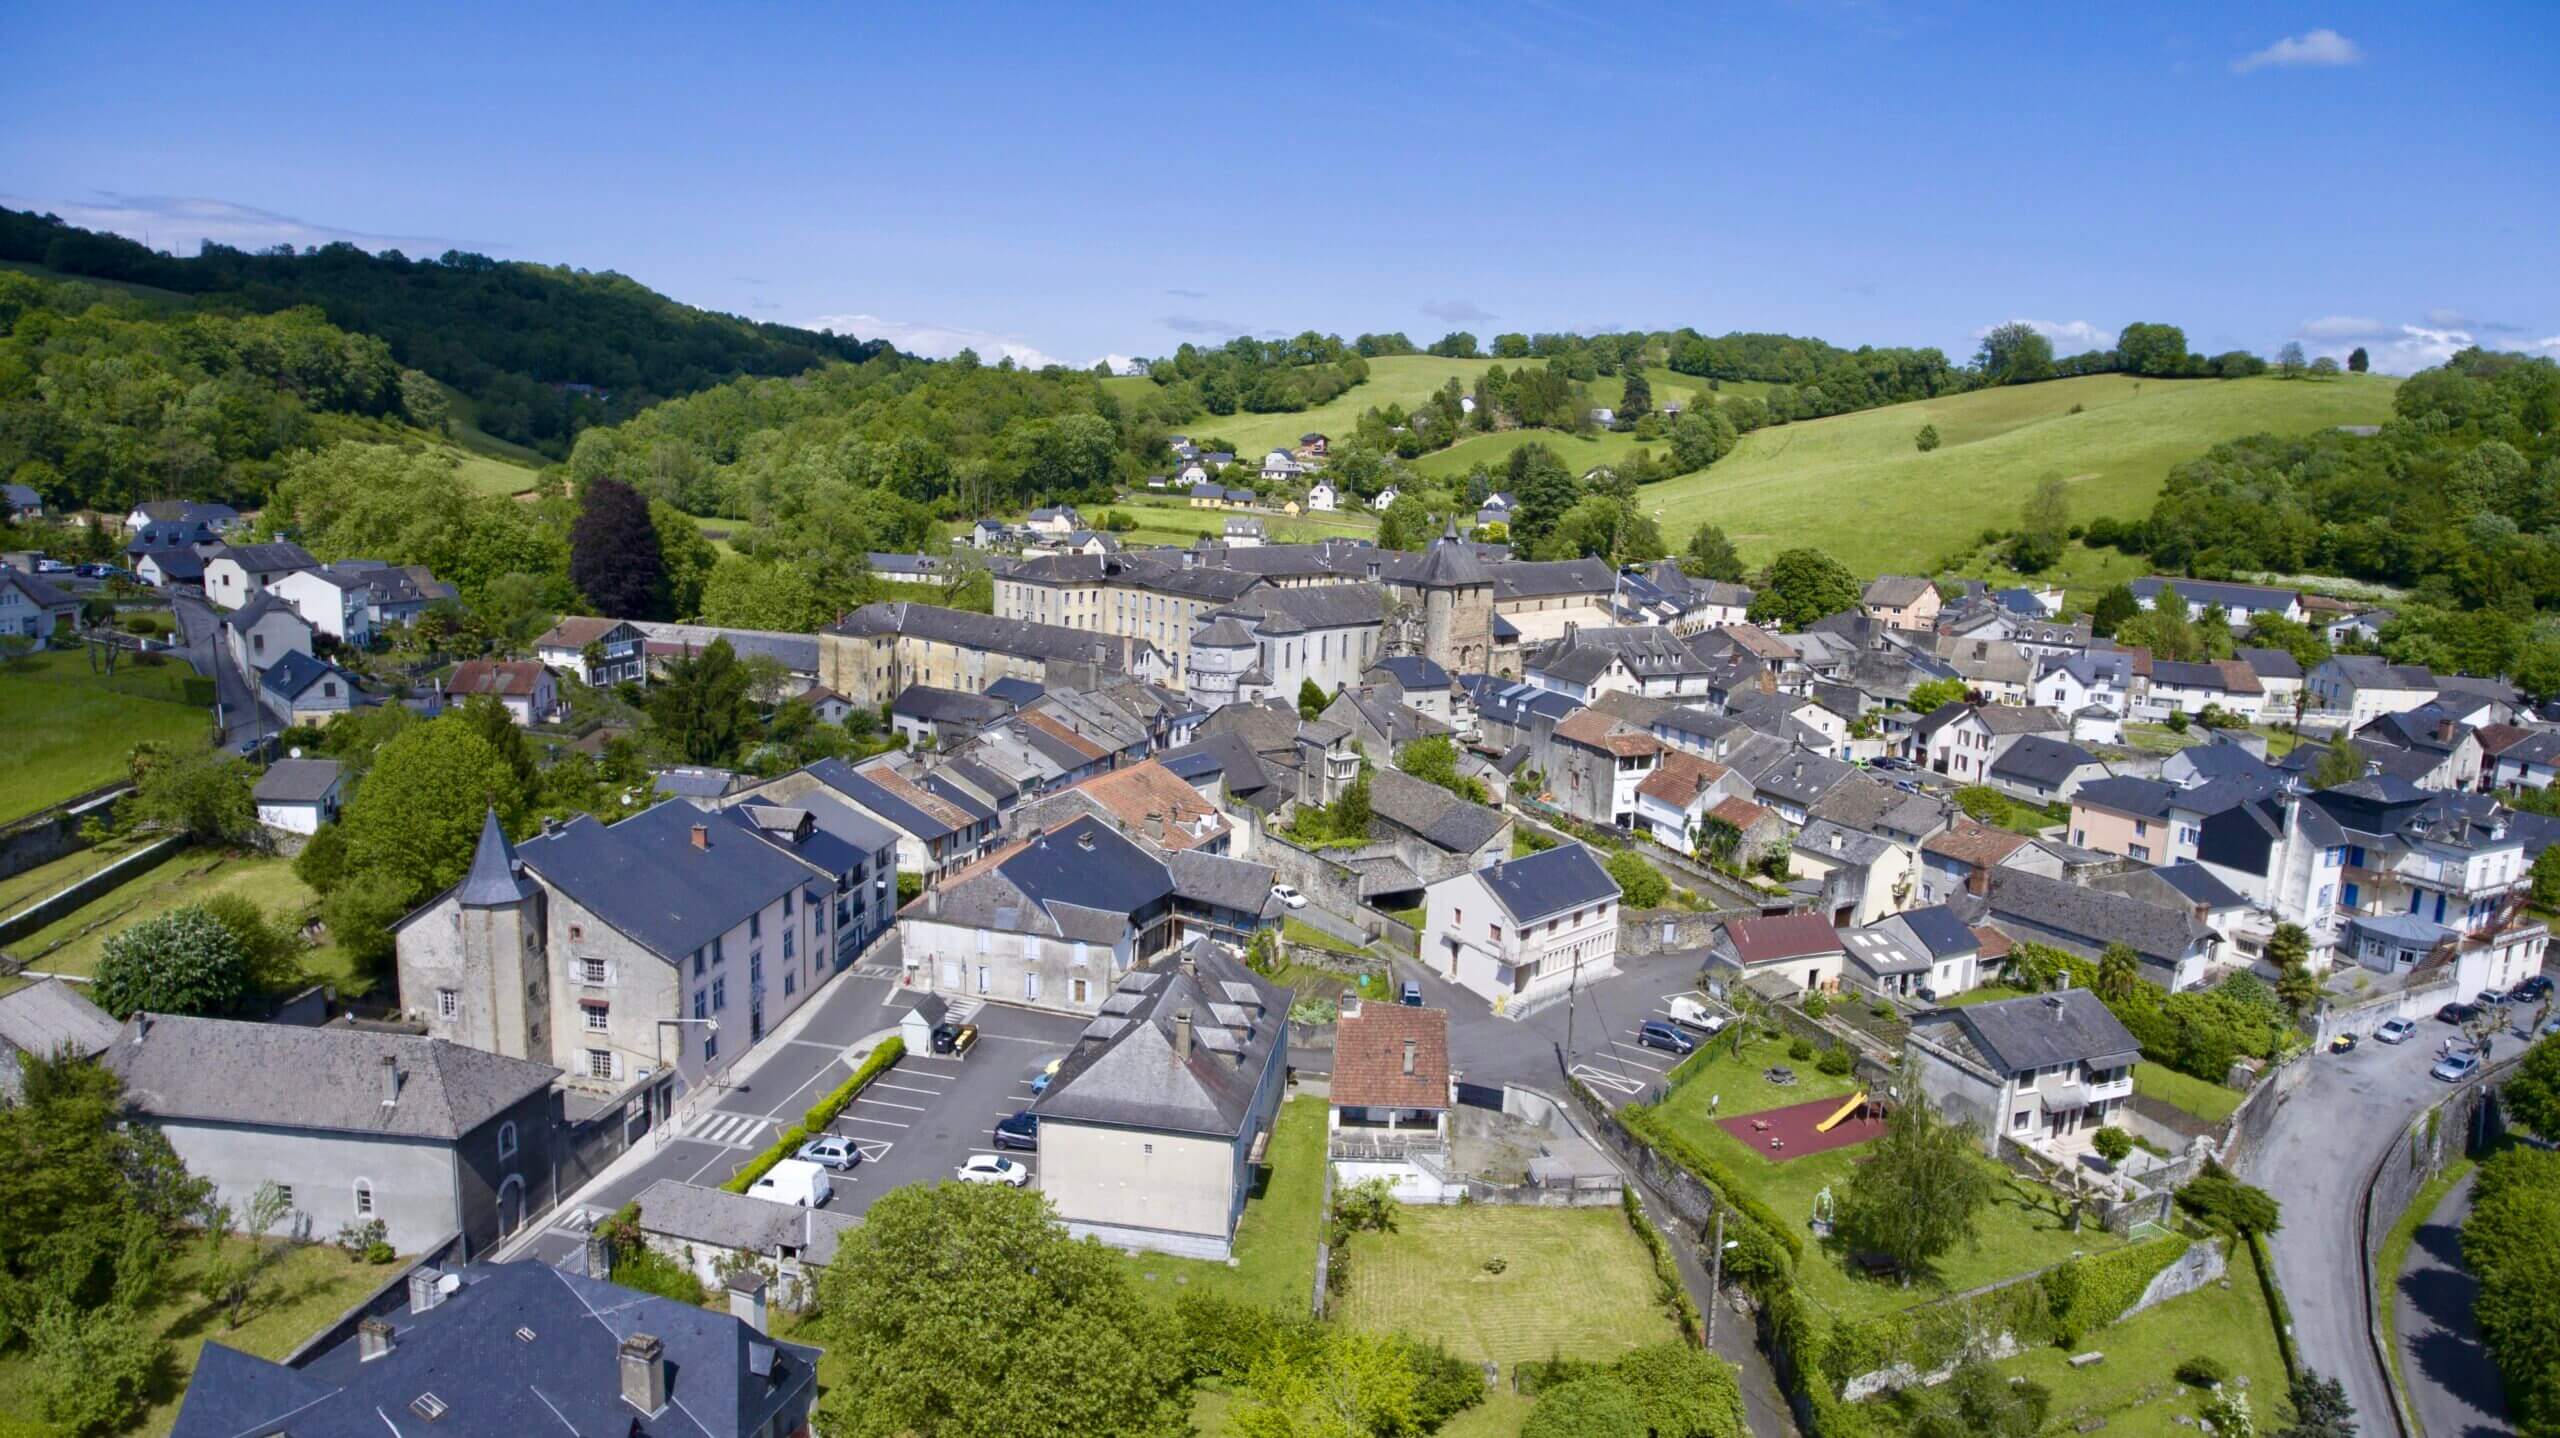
(2211, 1102)
(1275, 1244)
(64, 730)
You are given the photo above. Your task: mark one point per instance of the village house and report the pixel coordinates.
(2239, 603)
(2042, 769)
(2175, 945)
(2364, 687)
(1521, 931)
(34, 609)
(1902, 601)
(262, 632)
(596, 652)
(1152, 1127)
(1964, 742)
(1392, 1090)
(1596, 763)
(525, 688)
(2048, 1070)
(234, 574)
(1791, 953)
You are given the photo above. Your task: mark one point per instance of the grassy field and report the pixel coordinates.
(1854, 485)
(1276, 1240)
(120, 287)
(1983, 995)
(308, 1287)
(22, 889)
(1171, 520)
(2211, 1102)
(1670, 385)
(1427, 1278)
(64, 731)
(1581, 453)
(2021, 1231)
(1399, 379)
(2135, 1388)
(74, 943)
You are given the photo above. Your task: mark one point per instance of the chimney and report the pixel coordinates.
(1349, 1008)
(373, 1340)
(702, 836)
(390, 1080)
(599, 1254)
(426, 1288)
(746, 1298)
(644, 1373)
(1835, 841)
(1182, 1034)
(1409, 1046)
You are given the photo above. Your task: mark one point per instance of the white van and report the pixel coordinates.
(794, 1181)
(1688, 1013)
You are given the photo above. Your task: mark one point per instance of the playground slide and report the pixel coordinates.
(1846, 1109)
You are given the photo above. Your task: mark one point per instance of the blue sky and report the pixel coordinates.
(1076, 184)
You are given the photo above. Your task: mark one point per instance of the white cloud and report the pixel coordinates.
(2449, 319)
(2068, 336)
(1208, 326)
(2323, 49)
(935, 341)
(2347, 327)
(1120, 363)
(2549, 345)
(179, 223)
(2393, 349)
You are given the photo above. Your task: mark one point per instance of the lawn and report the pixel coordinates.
(1428, 1278)
(308, 1287)
(64, 730)
(2135, 1388)
(2020, 1231)
(1276, 1240)
(2211, 1102)
(1401, 379)
(1855, 485)
(1498, 1416)
(74, 943)
(1580, 453)
(1986, 994)
(20, 890)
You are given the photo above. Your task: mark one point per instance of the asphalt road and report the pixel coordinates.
(2323, 1142)
(199, 628)
(914, 1124)
(2451, 1381)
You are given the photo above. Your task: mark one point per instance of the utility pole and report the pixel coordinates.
(1715, 1279)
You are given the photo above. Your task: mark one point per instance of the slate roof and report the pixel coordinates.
(1020, 638)
(2042, 760)
(2370, 671)
(1369, 1058)
(1884, 948)
(1536, 579)
(285, 1076)
(644, 876)
(1549, 882)
(44, 1018)
(2047, 1030)
(1439, 817)
(2232, 597)
(265, 558)
(1127, 1072)
(2092, 917)
(2271, 663)
(1083, 881)
(691, 1213)
(292, 676)
(2198, 883)
(472, 1353)
(934, 705)
(1414, 672)
(2125, 794)
(1939, 930)
(1894, 591)
(1217, 879)
(297, 781)
(260, 605)
(1830, 842)
(1781, 936)
(893, 799)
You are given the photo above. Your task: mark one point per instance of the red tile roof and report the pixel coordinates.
(1681, 777)
(1595, 730)
(1153, 803)
(1369, 1058)
(515, 678)
(1971, 842)
(1740, 813)
(1788, 936)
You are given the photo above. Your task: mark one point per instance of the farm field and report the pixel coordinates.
(308, 1286)
(1854, 484)
(1399, 379)
(64, 730)
(1428, 1278)
(2020, 1232)
(1275, 1240)
(1580, 453)
(74, 943)
(1171, 520)
(1671, 384)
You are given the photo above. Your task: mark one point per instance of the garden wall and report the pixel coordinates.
(82, 892)
(50, 834)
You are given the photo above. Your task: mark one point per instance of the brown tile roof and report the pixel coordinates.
(1995, 944)
(1369, 1058)
(2496, 739)
(576, 631)
(1061, 733)
(1682, 777)
(1741, 813)
(1595, 730)
(1787, 936)
(2238, 677)
(1752, 639)
(919, 796)
(1969, 841)
(1154, 804)
(513, 677)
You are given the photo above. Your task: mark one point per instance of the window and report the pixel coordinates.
(786, 941)
(507, 1139)
(755, 926)
(448, 1003)
(719, 995)
(786, 903)
(1493, 932)
(2020, 1119)
(697, 963)
(982, 978)
(591, 971)
(287, 1190)
(600, 1063)
(2139, 851)
(599, 1017)
(755, 968)
(364, 1198)
(1031, 986)
(720, 948)
(790, 982)
(577, 932)
(701, 1004)
(710, 1046)
(1077, 989)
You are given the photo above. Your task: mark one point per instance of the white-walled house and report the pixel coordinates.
(297, 796)
(1520, 931)
(234, 574)
(338, 603)
(1321, 496)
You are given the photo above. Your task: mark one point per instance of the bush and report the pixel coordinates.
(1836, 1061)
(1668, 1289)
(2112, 1143)
(180, 962)
(2204, 1371)
(650, 1271)
(2225, 1203)
(1800, 1048)
(820, 1114)
(1816, 1005)
(1596, 1407)
(1640, 885)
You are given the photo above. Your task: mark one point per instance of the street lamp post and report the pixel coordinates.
(658, 1051)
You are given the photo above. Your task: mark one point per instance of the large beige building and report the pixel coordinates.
(874, 653)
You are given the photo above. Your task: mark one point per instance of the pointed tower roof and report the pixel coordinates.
(494, 880)
(1452, 563)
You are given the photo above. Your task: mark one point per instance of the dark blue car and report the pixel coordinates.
(1020, 1131)
(1664, 1034)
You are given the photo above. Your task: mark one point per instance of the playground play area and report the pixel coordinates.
(1816, 1126)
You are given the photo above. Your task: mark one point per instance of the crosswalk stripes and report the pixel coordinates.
(963, 1010)
(736, 1130)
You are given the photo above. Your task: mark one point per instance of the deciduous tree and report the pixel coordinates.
(613, 552)
(2014, 353)
(1801, 586)
(1711, 555)
(1921, 1190)
(204, 794)
(1926, 440)
(180, 962)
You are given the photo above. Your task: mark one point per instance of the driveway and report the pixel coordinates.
(914, 1124)
(2451, 1381)
(1592, 1036)
(200, 630)
(2324, 1140)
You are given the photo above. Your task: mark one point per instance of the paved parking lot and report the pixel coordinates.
(1593, 1037)
(915, 1123)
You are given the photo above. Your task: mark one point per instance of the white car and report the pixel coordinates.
(1288, 896)
(993, 1168)
(2394, 1031)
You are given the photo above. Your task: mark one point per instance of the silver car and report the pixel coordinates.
(829, 1151)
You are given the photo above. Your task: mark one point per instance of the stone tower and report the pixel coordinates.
(1457, 605)
(505, 985)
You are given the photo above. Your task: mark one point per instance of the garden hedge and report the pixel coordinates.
(819, 1116)
(1639, 1120)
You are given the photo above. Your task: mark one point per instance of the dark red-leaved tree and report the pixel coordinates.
(613, 552)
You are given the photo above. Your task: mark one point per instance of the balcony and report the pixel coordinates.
(1379, 1145)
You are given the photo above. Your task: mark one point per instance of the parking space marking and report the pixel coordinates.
(886, 1103)
(813, 1044)
(902, 1088)
(1614, 1082)
(1632, 1048)
(874, 1149)
(883, 1122)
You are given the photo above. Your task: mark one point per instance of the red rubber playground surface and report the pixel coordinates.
(1792, 1128)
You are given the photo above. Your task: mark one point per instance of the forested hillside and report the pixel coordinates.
(542, 350)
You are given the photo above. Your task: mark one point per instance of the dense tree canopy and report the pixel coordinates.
(1801, 586)
(2507, 1243)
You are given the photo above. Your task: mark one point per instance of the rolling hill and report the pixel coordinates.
(1400, 379)
(1855, 486)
